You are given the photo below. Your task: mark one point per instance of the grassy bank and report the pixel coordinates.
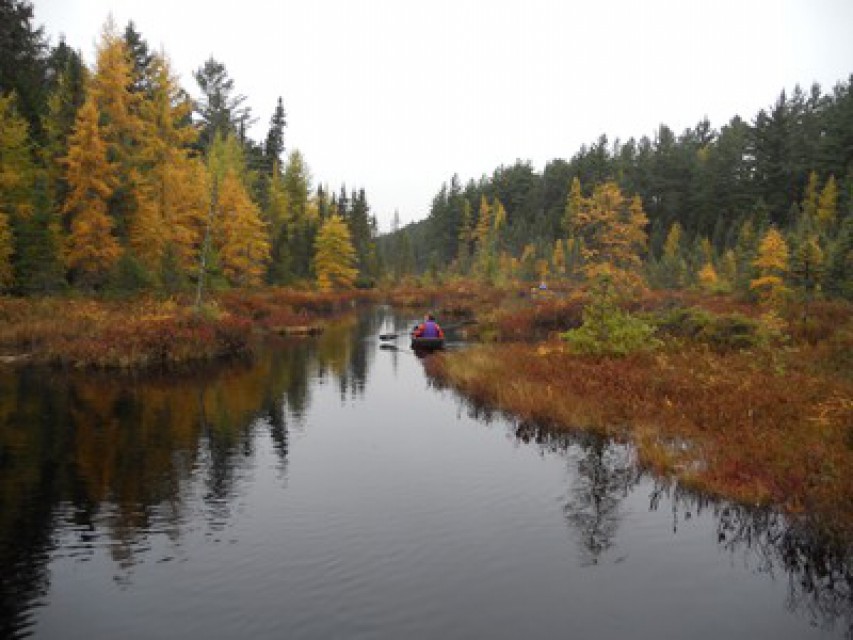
(149, 333)
(724, 404)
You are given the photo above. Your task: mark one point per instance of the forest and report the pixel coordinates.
(115, 181)
(711, 197)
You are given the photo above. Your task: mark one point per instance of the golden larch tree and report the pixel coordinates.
(334, 256)
(244, 246)
(91, 248)
(827, 205)
(612, 232)
(772, 264)
(121, 126)
(172, 197)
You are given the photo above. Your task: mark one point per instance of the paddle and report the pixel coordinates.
(450, 327)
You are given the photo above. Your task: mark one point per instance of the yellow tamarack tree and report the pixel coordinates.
(173, 195)
(121, 126)
(244, 246)
(91, 248)
(772, 264)
(827, 205)
(612, 231)
(334, 256)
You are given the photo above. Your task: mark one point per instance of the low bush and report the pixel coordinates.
(726, 332)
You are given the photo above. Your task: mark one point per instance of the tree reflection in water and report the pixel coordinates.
(819, 572)
(606, 473)
(105, 461)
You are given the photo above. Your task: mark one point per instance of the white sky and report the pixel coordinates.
(396, 96)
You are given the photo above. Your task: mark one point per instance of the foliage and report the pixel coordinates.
(608, 330)
(612, 233)
(723, 332)
(334, 256)
(772, 264)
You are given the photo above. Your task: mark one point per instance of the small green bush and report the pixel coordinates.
(608, 330)
(728, 332)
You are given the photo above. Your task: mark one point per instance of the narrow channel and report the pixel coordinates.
(331, 489)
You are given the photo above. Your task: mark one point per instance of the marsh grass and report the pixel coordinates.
(145, 333)
(735, 402)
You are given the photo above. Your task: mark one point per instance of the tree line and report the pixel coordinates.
(711, 198)
(113, 179)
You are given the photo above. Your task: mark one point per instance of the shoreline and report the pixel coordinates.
(727, 425)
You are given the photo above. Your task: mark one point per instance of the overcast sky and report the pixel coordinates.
(397, 96)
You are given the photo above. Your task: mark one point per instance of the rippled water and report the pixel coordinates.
(330, 490)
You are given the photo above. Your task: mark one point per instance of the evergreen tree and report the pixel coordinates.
(274, 145)
(838, 277)
(219, 109)
(63, 103)
(141, 60)
(301, 224)
(23, 53)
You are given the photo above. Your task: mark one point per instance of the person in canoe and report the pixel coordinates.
(429, 328)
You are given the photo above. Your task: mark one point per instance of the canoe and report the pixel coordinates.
(427, 344)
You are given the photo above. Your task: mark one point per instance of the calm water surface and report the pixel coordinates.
(329, 489)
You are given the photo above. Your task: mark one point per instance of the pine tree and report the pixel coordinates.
(23, 50)
(141, 60)
(335, 257)
(745, 252)
(274, 145)
(17, 171)
(838, 278)
(277, 215)
(63, 103)
(301, 224)
(220, 110)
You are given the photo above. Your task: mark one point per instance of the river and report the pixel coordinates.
(330, 489)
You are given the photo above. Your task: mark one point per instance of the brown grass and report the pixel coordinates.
(150, 333)
(772, 425)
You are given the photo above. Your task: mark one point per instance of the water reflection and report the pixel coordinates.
(130, 468)
(819, 572)
(108, 461)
